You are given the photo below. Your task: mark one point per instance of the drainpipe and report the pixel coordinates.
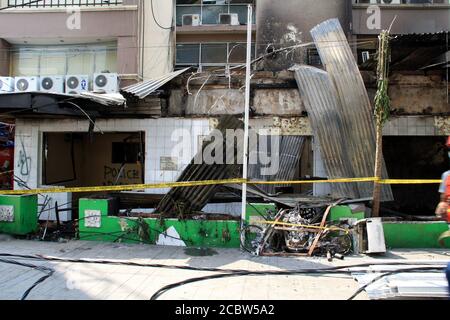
(246, 119)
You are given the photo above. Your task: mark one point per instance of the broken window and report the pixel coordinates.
(314, 58)
(79, 160)
(124, 152)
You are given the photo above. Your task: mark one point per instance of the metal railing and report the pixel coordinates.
(62, 3)
(401, 2)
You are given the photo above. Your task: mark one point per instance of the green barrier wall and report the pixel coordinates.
(194, 233)
(225, 234)
(417, 235)
(24, 210)
(344, 212)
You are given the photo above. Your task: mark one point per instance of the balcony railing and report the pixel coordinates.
(62, 3)
(401, 2)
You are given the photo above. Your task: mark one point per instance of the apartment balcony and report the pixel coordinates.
(212, 17)
(45, 24)
(412, 16)
(52, 4)
(56, 19)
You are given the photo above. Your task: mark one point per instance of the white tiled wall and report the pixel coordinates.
(320, 189)
(411, 126)
(158, 144)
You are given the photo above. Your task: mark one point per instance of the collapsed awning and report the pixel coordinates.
(28, 103)
(144, 89)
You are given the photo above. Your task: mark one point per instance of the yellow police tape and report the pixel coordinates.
(205, 183)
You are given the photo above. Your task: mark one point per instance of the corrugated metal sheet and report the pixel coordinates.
(105, 99)
(354, 104)
(289, 154)
(144, 89)
(181, 201)
(320, 99)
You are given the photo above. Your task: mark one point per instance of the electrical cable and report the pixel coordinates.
(49, 272)
(338, 270)
(188, 268)
(156, 21)
(226, 273)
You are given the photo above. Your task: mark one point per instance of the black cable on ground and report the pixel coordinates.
(165, 289)
(162, 266)
(49, 272)
(224, 273)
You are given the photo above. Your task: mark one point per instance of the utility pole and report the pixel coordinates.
(246, 120)
(382, 113)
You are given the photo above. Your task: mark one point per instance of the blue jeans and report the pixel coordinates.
(447, 272)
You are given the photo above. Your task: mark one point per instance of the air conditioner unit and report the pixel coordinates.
(76, 84)
(385, 1)
(6, 84)
(191, 20)
(26, 84)
(365, 56)
(229, 19)
(106, 82)
(53, 84)
(370, 237)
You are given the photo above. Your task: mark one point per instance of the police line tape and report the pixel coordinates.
(207, 183)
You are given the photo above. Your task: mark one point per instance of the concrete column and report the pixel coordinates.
(127, 59)
(4, 57)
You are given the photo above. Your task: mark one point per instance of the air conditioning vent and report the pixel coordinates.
(231, 19)
(6, 84)
(106, 82)
(76, 84)
(52, 84)
(191, 20)
(365, 56)
(26, 84)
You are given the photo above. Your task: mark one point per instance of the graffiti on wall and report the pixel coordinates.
(121, 176)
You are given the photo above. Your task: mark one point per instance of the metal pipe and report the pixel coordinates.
(246, 119)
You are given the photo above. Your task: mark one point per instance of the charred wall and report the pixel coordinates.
(289, 23)
(415, 158)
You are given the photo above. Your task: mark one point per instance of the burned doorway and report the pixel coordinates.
(81, 160)
(415, 157)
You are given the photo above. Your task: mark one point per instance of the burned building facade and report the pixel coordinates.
(189, 56)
